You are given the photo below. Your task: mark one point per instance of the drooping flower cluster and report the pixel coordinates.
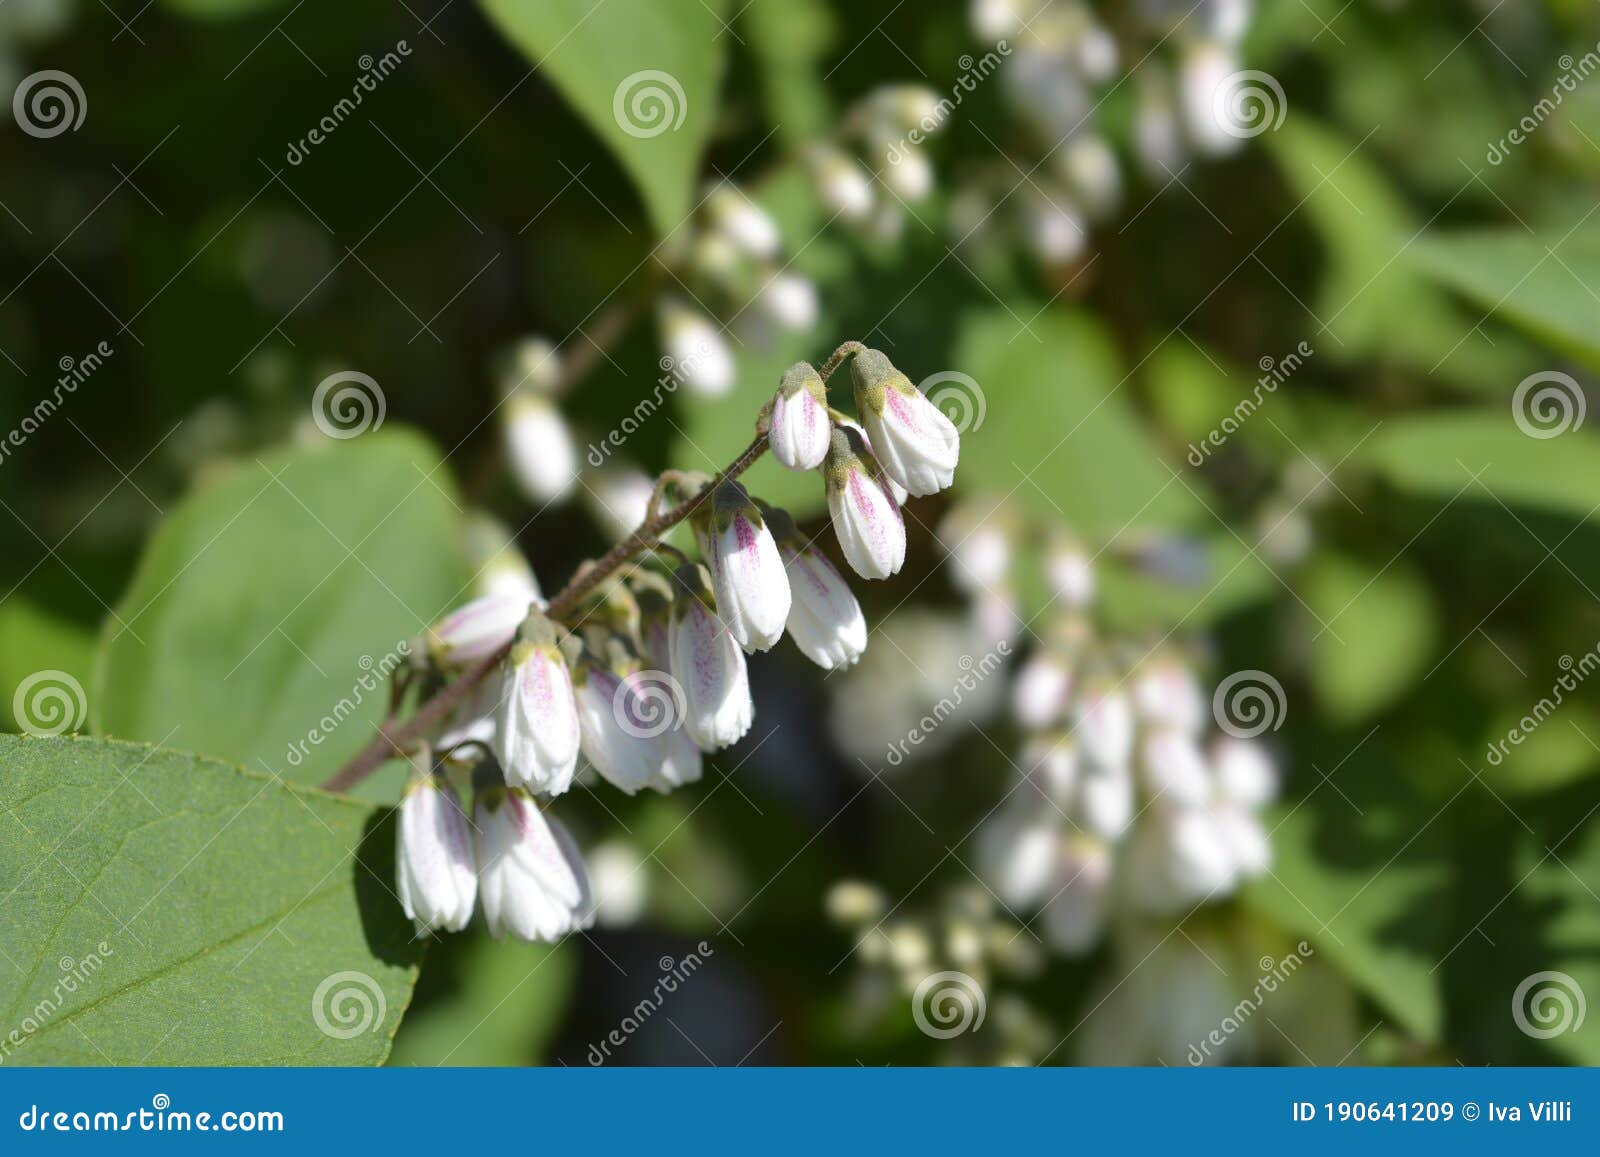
(1123, 802)
(877, 151)
(640, 675)
(1062, 63)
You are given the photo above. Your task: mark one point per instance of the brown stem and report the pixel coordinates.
(390, 741)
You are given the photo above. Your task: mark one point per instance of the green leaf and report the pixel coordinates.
(166, 909)
(40, 646)
(507, 1004)
(1545, 283)
(1375, 637)
(1441, 456)
(644, 74)
(1054, 425)
(270, 606)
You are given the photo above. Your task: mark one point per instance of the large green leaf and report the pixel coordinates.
(1546, 283)
(1052, 423)
(269, 605)
(644, 74)
(1378, 635)
(162, 908)
(1476, 456)
(507, 1003)
(42, 654)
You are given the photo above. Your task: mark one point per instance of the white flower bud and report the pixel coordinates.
(678, 761)
(621, 498)
(1205, 66)
(1103, 723)
(1173, 767)
(790, 300)
(620, 882)
(1245, 772)
(1039, 694)
(498, 566)
(996, 19)
(896, 491)
(434, 875)
(1157, 136)
(479, 629)
(1016, 855)
(628, 759)
(746, 571)
(531, 366)
(1089, 165)
(1230, 19)
(908, 173)
(979, 547)
(917, 445)
(1074, 917)
(1070, 573)
(799, 429)
(854, 902)
(825, 620)
(539, 446)
(1203, 863)
(1050, 763)
(843, 185)
(1097, 53)
(700, 357)
(866, 518)
(1168, 695)
(744, 222)
(709, 666)
(1056, 231)
(1106, 800)
(536, 729)
(530, 875)
(1246, 839)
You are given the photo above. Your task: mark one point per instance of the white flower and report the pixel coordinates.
(1103, 722)
(789, 300)
(530, 875)
(825, 620)
(1169, 695)
(433, 854)
(1056, 231)
(1203, 863)
(1157, 135)
(498, 567)
(979, 546)
(531, 365)
(536, 728)
(626, 760)
(866, 518)
(480, 628)
(1070, 574)
(706, 661)
(700, 357)
(1174, 767)
(620, 881)
(896, 491)
(1091, 168)
(746, 571)
(1245, 838)
(799, 429)
(679, 761)
(1245, 772)
(621, 497)
(1016, 854)
(1039, 694)
(1097, 53)
(1105, 800)
(917, 445)
(1072, 919)
(908, 173)
(539, 446)
(842, 184)
(742, 221)
(1205, 67)
(1050, 762)
(1230, 19)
